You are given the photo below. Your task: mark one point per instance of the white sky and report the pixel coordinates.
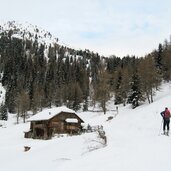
(108, 27)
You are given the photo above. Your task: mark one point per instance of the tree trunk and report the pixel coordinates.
(151, 95)
(148, 98)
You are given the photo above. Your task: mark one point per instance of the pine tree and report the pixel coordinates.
(101, 89)
(125, 84)
(118, 93)
(3, 112)
(167, 63)
(158, 57)
(74, 94)
(23, 104)
(135, 94)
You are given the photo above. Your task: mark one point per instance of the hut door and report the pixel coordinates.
(39, 132)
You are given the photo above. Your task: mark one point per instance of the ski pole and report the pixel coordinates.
(161, 127)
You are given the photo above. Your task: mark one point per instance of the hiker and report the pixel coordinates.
(166, 120)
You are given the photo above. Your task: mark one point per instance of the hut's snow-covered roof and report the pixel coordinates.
(50, 113)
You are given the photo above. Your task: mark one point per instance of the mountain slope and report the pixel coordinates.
(134, 142)
(28, 31)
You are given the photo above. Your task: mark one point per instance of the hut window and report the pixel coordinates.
(71, 120)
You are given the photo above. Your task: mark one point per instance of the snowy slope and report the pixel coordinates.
(25, 30)
(28, 31)
(134, 143)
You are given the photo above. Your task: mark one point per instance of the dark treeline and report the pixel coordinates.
(36, 76)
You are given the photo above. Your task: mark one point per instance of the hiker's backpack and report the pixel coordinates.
(167, 114)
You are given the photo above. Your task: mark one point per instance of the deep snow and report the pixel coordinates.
(134, 143)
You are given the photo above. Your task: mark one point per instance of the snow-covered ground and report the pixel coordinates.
(134, 143)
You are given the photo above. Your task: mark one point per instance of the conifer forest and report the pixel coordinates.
(36, 75)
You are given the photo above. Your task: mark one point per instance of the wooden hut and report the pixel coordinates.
(58, 120)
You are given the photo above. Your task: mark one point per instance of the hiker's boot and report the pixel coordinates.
(167, 133)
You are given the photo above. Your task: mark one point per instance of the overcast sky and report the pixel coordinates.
(109, 27)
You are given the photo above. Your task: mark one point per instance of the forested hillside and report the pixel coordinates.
(37, 74)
